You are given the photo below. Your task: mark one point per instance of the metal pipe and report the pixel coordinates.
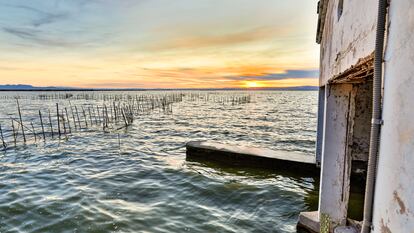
(376, 117)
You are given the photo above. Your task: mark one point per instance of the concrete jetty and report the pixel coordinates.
(252, 157)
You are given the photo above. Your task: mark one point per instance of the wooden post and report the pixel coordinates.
(64, 125)
(14, 133)
(115, 112)
(77, 114)
(99, 114)
(90, 115)
(73, 117)
(58, 119)
(43, 128)
(84, 117)
(50, 123)
(21, 121)
(67, 118)
(106, 116)
(103, 117)
(125, 120)
(2, 138)
(112, 113)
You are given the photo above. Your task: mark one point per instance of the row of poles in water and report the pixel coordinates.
(61, 122)
(117, 112)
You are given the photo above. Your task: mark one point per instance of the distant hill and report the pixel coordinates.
(25, 87)
(17, 86)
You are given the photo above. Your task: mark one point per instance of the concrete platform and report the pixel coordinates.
(308, 222)
(252, 157)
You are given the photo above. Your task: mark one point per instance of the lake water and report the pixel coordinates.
(93, 183)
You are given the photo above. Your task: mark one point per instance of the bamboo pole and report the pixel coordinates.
(21, 121)
(2, 138)
(64, 125)
(90, 115)
(58, 120)
(68, 119)
(73, 117)
(84, 117)
(77, 115)
(106, 116)
(115, 112)
(43, 128)
(99, 114)
(125, 120)
(50, 123)
(14, 134)
(94, 115)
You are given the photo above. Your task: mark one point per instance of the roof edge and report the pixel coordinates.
(322, 9)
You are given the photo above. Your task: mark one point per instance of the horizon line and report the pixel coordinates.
(28, 87)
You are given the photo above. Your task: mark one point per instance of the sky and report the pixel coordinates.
(159, 43)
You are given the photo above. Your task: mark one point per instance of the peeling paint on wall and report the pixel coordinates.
(384, 227)
(394, 192)
(400, 203)
(348, 39)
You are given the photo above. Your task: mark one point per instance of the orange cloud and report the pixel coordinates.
(190, 41)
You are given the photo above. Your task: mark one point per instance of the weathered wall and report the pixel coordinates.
(362, 121)
(348, 38)
(394, 196)
(335, 172)
(346, 134)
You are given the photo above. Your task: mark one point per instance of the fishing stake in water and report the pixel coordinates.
(50, 124)
(21, 121)
(2, 138)
(41, 123)
(58, 119)
(14, 133)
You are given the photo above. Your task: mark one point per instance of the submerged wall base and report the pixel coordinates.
(253, 157)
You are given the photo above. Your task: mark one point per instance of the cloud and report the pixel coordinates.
(288, 74)
(43, 17)
(50, 39)
(191, 41)
(34, 35)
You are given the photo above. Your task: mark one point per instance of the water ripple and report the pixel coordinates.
(90, 184)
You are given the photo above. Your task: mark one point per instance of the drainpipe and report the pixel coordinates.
(376, 117)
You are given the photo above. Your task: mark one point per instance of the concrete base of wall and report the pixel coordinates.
(301, 164)
(347, 229)
(308, 222)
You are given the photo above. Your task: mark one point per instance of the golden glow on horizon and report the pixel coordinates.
(278, 83)
(251, 84)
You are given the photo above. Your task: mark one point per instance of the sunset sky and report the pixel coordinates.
(158, 43)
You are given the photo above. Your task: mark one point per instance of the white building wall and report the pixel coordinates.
(334, 187)
(347, 39)
(394, 195)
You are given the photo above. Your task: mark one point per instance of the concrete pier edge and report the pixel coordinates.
(233, 155)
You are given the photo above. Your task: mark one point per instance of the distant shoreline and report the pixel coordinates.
(56, 89)
(113, 90)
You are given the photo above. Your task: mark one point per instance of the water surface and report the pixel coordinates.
(91, 184)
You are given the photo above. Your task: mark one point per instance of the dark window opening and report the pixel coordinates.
(340, 8)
